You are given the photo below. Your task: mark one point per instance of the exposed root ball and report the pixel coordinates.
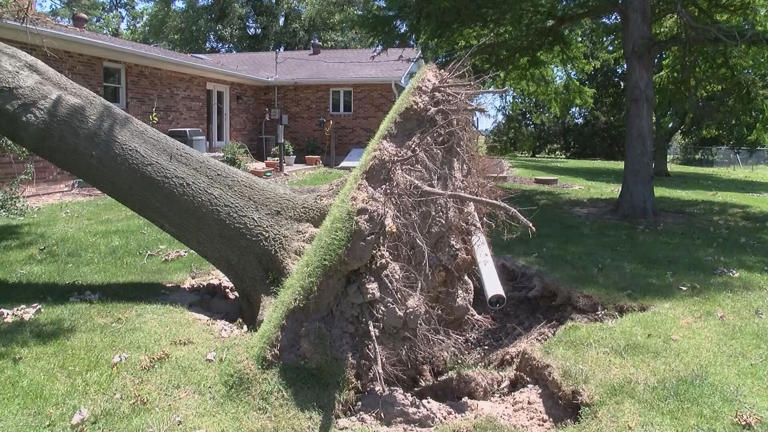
(405, 308)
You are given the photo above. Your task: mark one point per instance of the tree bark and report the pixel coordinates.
(660, 166)
(637, 200)
(247, 227)
(662, 134)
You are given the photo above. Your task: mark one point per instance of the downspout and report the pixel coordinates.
(394, 90)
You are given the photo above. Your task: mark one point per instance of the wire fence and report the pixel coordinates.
(721, 157)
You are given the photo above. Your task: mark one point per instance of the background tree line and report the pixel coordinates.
(222, 25)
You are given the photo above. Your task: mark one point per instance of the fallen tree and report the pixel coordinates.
(248, 228)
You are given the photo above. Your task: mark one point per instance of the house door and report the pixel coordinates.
(218, 115)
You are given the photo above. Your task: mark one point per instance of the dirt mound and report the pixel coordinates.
(210, 296)
(509, 397)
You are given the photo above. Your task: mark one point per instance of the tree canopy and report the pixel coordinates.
(521, 45)
(223, 25)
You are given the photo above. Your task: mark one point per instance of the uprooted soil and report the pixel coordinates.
(505, 378)
(210, 298)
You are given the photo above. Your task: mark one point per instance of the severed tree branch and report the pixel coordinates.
(473, 199)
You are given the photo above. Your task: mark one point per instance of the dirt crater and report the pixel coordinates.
(502, 377)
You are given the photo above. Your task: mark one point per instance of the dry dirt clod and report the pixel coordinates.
(174, 254)
(79, 418)
(118, 358)
(22, 313)
(149, 362)
(211, 356)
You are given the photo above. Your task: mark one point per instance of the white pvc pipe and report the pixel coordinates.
(494, 292)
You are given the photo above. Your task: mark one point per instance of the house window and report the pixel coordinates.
(341, 101)
(114, 84)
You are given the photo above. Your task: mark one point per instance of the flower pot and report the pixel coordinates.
(289, 160)
(271, 163)
(263, 172)
(313, 160)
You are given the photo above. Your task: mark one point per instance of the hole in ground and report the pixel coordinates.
(508, 382)
(206, 297)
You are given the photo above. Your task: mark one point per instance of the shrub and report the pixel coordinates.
(236, 154)
(313, 148)
(288, 150)
(12, 203)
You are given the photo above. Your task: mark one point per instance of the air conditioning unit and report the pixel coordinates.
(191, 137)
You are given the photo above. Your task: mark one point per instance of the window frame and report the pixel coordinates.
(341, 91)
(122, 85)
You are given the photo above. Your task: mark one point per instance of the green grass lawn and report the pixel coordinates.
(676, 367)
(60, 361)
(317, 177)
(700, 355)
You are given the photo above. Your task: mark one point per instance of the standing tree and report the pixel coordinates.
(250, 25)
(507, 41)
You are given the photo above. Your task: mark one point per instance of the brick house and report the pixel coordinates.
(229, 95)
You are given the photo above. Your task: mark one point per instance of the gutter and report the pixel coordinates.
(339, 81)
(418, 63)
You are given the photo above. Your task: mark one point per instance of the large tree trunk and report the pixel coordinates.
(246, 227)
(660, 166)
(661, 137)
(637, 200)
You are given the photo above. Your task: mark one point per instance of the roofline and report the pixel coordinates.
(340, 81)
(83, 45)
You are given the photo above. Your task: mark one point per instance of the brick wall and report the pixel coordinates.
(10, 168)
(181, 102)
(306, 104)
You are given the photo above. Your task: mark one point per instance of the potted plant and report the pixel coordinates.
(313, 154)
(289, 156)
(271, 163)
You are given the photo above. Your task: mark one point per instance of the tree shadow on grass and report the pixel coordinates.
(42, 331)
(315, 388)
(679, 181)
(623, 262)
(21, 334)
(15, 293)
(15, 232)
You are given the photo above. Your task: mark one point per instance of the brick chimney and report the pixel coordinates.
(79, 20)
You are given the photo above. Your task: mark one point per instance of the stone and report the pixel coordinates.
(371, 291)
(79, 418)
